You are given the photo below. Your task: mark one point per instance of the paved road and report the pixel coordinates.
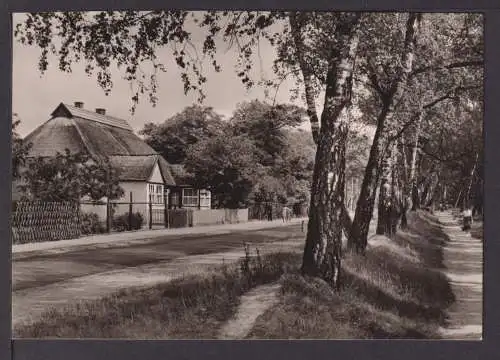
(463, 258)
(46, 279)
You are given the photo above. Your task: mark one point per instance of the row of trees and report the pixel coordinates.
(259, 155)
(416, 77)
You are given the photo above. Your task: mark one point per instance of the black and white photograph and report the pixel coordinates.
(181, 174)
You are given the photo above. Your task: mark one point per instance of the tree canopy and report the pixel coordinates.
(176, 134)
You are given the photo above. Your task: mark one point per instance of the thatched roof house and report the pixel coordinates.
(142, 171)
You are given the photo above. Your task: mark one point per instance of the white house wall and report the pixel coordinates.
(139, 195)
(99, 209)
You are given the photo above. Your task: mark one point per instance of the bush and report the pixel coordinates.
(91, 224)
(121, 222)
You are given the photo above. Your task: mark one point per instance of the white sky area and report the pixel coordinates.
(35, 95)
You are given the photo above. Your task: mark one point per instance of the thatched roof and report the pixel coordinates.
(180, 175)
(99, 136)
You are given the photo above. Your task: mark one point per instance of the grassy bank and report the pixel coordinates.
(395, 291)
(392, 292)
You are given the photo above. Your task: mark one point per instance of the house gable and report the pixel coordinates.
(156, 175)
(61, 111)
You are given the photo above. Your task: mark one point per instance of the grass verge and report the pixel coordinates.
(190, 307)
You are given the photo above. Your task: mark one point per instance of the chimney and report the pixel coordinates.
(100, 111)
(79, 104)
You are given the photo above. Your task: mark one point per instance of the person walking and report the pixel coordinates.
(269, 210)
(284, 213)
(467, 218)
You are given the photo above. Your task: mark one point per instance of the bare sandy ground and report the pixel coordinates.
(463, 258)
(253, 304)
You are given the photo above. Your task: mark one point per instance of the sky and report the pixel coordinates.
(36, 95)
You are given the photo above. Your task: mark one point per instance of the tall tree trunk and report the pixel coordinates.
(432, 187)
(322, 252)
(323, 247)
(385, 195)
(364, 209)
(428, 186)
(396, 199)
(296, 20)
(412, 196)
(405, 188)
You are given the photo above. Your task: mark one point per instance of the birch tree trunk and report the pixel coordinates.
(364, 209)
(412, 195)
(323, 248)
(405, 187)
(396, 197)
(296, 20)
(385, 195)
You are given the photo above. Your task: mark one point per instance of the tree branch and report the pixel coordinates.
(449, 95)
(453, 65)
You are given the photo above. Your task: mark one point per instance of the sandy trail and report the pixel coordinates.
(253, 304)
(463, 258)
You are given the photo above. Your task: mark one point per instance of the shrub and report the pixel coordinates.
(91, 224)
(121, 222)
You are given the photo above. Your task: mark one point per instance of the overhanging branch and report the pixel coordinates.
(450, 66)
(449, 95)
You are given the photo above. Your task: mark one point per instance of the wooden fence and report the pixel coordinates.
(36, 221)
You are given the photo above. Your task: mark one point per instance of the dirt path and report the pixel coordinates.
(463, 258)
(253, 304)
(29, 304)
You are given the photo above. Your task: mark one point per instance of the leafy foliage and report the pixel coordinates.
(225, 165)
(69, 177)
(123, 223)
(176, 134)
(265, 125)
(20, 149)
(91, 224)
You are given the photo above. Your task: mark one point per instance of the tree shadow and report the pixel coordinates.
(402, 307)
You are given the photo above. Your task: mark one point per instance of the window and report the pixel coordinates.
(159, 194)
(155, 193)
(205, 198)
(189, 197)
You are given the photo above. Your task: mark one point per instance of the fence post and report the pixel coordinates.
(130, 213)
(108, 216)
(150, 215)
